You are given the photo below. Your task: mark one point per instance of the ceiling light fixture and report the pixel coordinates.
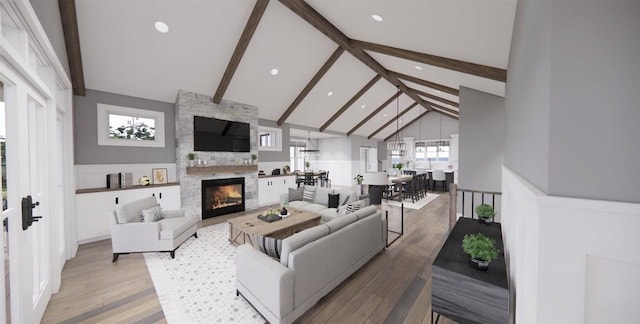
(418, 67)
(161, 26)
(274, 71)
(385, 115)
(377, 18)
(309, 149)
(362, 107)
(330, 93)
(397, 148)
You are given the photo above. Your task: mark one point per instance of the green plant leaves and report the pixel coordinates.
(479, 246)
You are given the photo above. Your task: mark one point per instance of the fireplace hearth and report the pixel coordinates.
(222, 196)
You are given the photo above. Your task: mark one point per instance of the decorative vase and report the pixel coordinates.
(359, 189)
(480, 265)
(485, 221)
(192, 163)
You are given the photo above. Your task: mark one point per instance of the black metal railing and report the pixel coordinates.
(469, 199)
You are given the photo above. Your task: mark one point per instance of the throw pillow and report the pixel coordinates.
(268, 245)
(153, 214)
(295, 194)
(334, 200)
(352, 207)
(309, 193)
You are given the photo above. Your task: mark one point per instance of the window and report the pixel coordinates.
(297, 157)
(269, 139)
(432, 151)
(123, 126)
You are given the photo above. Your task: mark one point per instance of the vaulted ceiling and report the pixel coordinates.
(227, 48)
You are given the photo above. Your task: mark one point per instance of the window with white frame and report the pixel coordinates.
(269, 139)
(124, 126)
(296, 156)
(432, 150)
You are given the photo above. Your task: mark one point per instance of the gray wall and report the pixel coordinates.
(48, 13)
(338, 148)
(276, 156)
(480, 156)
(572, 98)
(358, 141)
(85, 135)
(526, 149)
(430, 129)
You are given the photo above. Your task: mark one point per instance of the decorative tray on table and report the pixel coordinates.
(269, 218)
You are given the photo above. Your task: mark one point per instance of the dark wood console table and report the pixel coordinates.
(463, 294)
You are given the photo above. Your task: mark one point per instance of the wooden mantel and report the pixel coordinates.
(222, 169)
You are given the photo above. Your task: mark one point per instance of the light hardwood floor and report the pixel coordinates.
(394, 287)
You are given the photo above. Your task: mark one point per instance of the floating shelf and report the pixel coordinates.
(222, 169)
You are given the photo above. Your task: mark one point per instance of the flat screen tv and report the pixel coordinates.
(218, 135)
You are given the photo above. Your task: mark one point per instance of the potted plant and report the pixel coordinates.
(485, 213)
(192, 156)
(359, 178)
(480, 249)
(307, 165)
(399, 166)
(253, 158)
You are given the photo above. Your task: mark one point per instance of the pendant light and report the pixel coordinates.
(397, 148)
(309, 150)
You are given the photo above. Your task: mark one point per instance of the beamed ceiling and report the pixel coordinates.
(425, 49)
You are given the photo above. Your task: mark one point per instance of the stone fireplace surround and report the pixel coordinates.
(189, 104)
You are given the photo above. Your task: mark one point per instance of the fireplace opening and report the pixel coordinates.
(222, 196)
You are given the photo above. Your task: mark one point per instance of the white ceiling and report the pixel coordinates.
(123, 53)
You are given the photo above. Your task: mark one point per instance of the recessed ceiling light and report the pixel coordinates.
(438, 91)
(385, 115)
(362, 107)
(418, 67)
(274, 71)
(161, 26)
(377, 18)
(330, 93)
(401, 120)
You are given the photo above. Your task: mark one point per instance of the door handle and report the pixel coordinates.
(27, 212)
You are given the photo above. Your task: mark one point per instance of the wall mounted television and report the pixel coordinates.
(218, 135)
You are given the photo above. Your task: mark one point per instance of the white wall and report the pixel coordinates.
(570, 260)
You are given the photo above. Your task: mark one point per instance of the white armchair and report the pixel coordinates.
(129, 234)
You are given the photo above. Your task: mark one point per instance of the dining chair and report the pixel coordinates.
(439, 176)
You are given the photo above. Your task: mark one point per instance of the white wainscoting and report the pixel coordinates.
(341, 172)
(570, 260)
(95, 175)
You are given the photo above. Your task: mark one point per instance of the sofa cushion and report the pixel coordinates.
(334, 201)
(309, 193)
(340, 222)
(170, 228)
(152, 214)
(365, 212)
(346, 196)
(322, 195)
(328, 215)
(353, 207)
(295, 194)
(300, 239)
(268, 245)
(315, 208)
(341, 211)
(299, 204)
(130, 212)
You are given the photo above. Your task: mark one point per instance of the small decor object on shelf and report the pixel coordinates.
(159, 176)
(144, 181)
(480, 249)
(192, 158)
(286, 169)
(284, 212)
(485, 213)
(358, 179)
(253, 158)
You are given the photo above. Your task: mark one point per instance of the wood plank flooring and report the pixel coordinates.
(394, 287)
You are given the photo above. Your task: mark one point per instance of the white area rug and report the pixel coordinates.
(408, 204)
(199, 285)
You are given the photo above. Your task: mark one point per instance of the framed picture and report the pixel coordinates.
(159, 176)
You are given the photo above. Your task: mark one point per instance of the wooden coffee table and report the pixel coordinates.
(242, 228)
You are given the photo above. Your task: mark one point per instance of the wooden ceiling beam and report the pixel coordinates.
(316, 78)
(480, 70)
(350, 102)
(440, 99)
(69, 20)
(425, 83)
(315, 19)
(251, 26)
(405, 126)
(375, 112)
(406, 110)
(441, 109)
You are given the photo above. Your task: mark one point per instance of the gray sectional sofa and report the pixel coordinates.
(321, 201)
(312, 263)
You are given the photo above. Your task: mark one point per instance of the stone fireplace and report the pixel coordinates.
(222, 196)
(220, 165)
